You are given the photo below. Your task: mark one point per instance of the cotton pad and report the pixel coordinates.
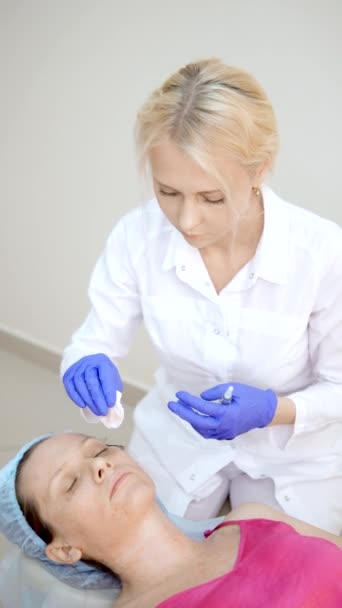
(114, 417)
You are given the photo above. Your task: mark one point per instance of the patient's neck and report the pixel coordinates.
(153, 550)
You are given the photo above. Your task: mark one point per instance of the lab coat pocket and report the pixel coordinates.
(267, 322)
(282, 342)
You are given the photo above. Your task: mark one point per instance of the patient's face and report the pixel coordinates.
(90, 494)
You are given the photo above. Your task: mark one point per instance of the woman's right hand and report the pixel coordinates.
(92, 382)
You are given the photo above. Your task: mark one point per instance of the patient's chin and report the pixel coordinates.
(135, 496)
(137, 500)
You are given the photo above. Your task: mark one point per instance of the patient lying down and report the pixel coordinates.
(89, 501)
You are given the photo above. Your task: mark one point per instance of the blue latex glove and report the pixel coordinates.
(93, 381)
(249, 408)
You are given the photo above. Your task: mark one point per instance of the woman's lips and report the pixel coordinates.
(116, 480)
(192, 236)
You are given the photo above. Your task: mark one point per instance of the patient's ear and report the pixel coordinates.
(59, 551)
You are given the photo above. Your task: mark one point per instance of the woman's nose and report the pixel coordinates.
(188, 216)
(100, 467)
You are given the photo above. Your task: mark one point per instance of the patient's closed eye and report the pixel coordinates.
(105, 449)
(75, 479)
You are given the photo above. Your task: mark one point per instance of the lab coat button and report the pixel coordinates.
(183, 267)
(287, 498)
(251, 275)
(216, 331)
(192, 476)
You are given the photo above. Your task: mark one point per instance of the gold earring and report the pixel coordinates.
(256, 190)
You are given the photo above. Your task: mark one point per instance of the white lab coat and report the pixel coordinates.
(277, 324)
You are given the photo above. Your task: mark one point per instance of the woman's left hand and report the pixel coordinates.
(248, 409)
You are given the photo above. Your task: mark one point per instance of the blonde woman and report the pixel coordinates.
(241, 294)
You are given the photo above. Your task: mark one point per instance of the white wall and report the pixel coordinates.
(73, 74)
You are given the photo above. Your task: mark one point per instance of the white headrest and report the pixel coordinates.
(25, 583)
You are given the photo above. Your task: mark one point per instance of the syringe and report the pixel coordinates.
(227, 395)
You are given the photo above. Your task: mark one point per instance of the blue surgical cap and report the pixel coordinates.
(16, 529)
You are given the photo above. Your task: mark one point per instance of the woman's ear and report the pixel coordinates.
(61, 552)
(260, 173)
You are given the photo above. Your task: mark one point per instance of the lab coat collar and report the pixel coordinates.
(271, 259)
(179, 252)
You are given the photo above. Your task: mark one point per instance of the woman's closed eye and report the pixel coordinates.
(213, 198)
(167, 193)
(216, 201)
(72, 485)
(102, 451)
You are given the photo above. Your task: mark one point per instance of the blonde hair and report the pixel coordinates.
(210, 108)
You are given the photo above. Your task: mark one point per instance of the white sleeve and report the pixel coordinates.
(321, 403)
(115, 305)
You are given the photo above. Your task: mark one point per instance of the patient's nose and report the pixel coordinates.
(100, 468)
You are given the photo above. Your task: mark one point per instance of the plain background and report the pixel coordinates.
(73, 75)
